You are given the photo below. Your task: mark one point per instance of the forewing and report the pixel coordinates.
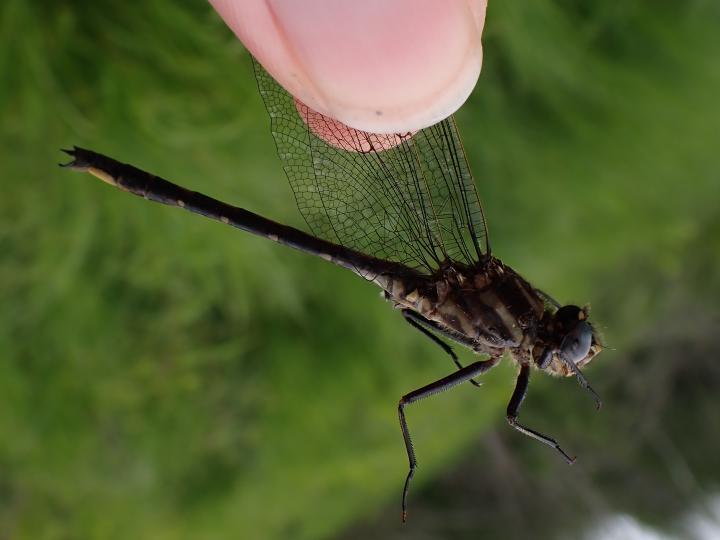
(414, 203)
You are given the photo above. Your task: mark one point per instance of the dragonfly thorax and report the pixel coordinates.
(492, 309)
(488, 308)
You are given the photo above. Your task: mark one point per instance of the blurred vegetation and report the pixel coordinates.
(165, 377)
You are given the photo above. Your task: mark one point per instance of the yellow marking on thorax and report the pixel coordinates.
(224, 220)
(507, 318)
(424, 305)
(413, 300)
(537, 305)
(396, 288)
(413, 296)
(273, 237)
(181, 203)
(451, 309)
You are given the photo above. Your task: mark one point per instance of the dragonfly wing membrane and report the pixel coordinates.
(407, 198)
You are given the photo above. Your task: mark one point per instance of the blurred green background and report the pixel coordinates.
(165, 377)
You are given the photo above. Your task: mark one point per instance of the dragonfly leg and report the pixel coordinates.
(460, 376)
(424, 325)
(582, 381)
(513, 410)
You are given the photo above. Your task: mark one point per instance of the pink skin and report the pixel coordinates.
(380, 66)
(344, 137)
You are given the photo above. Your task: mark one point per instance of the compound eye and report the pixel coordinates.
(576, 345)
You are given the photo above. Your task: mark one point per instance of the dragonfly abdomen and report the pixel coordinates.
(157, 189)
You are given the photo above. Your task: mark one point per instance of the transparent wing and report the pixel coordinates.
(408, 198)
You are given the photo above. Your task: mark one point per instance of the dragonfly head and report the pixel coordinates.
(571, 342)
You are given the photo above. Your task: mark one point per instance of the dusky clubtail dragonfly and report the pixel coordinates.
(401, 211)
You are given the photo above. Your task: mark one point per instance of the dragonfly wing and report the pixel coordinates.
(407, 198)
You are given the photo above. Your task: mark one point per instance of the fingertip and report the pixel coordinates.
(383, 67)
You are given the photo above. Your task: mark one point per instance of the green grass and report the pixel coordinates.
(163, 377)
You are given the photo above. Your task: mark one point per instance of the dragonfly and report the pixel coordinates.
(401, 211)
